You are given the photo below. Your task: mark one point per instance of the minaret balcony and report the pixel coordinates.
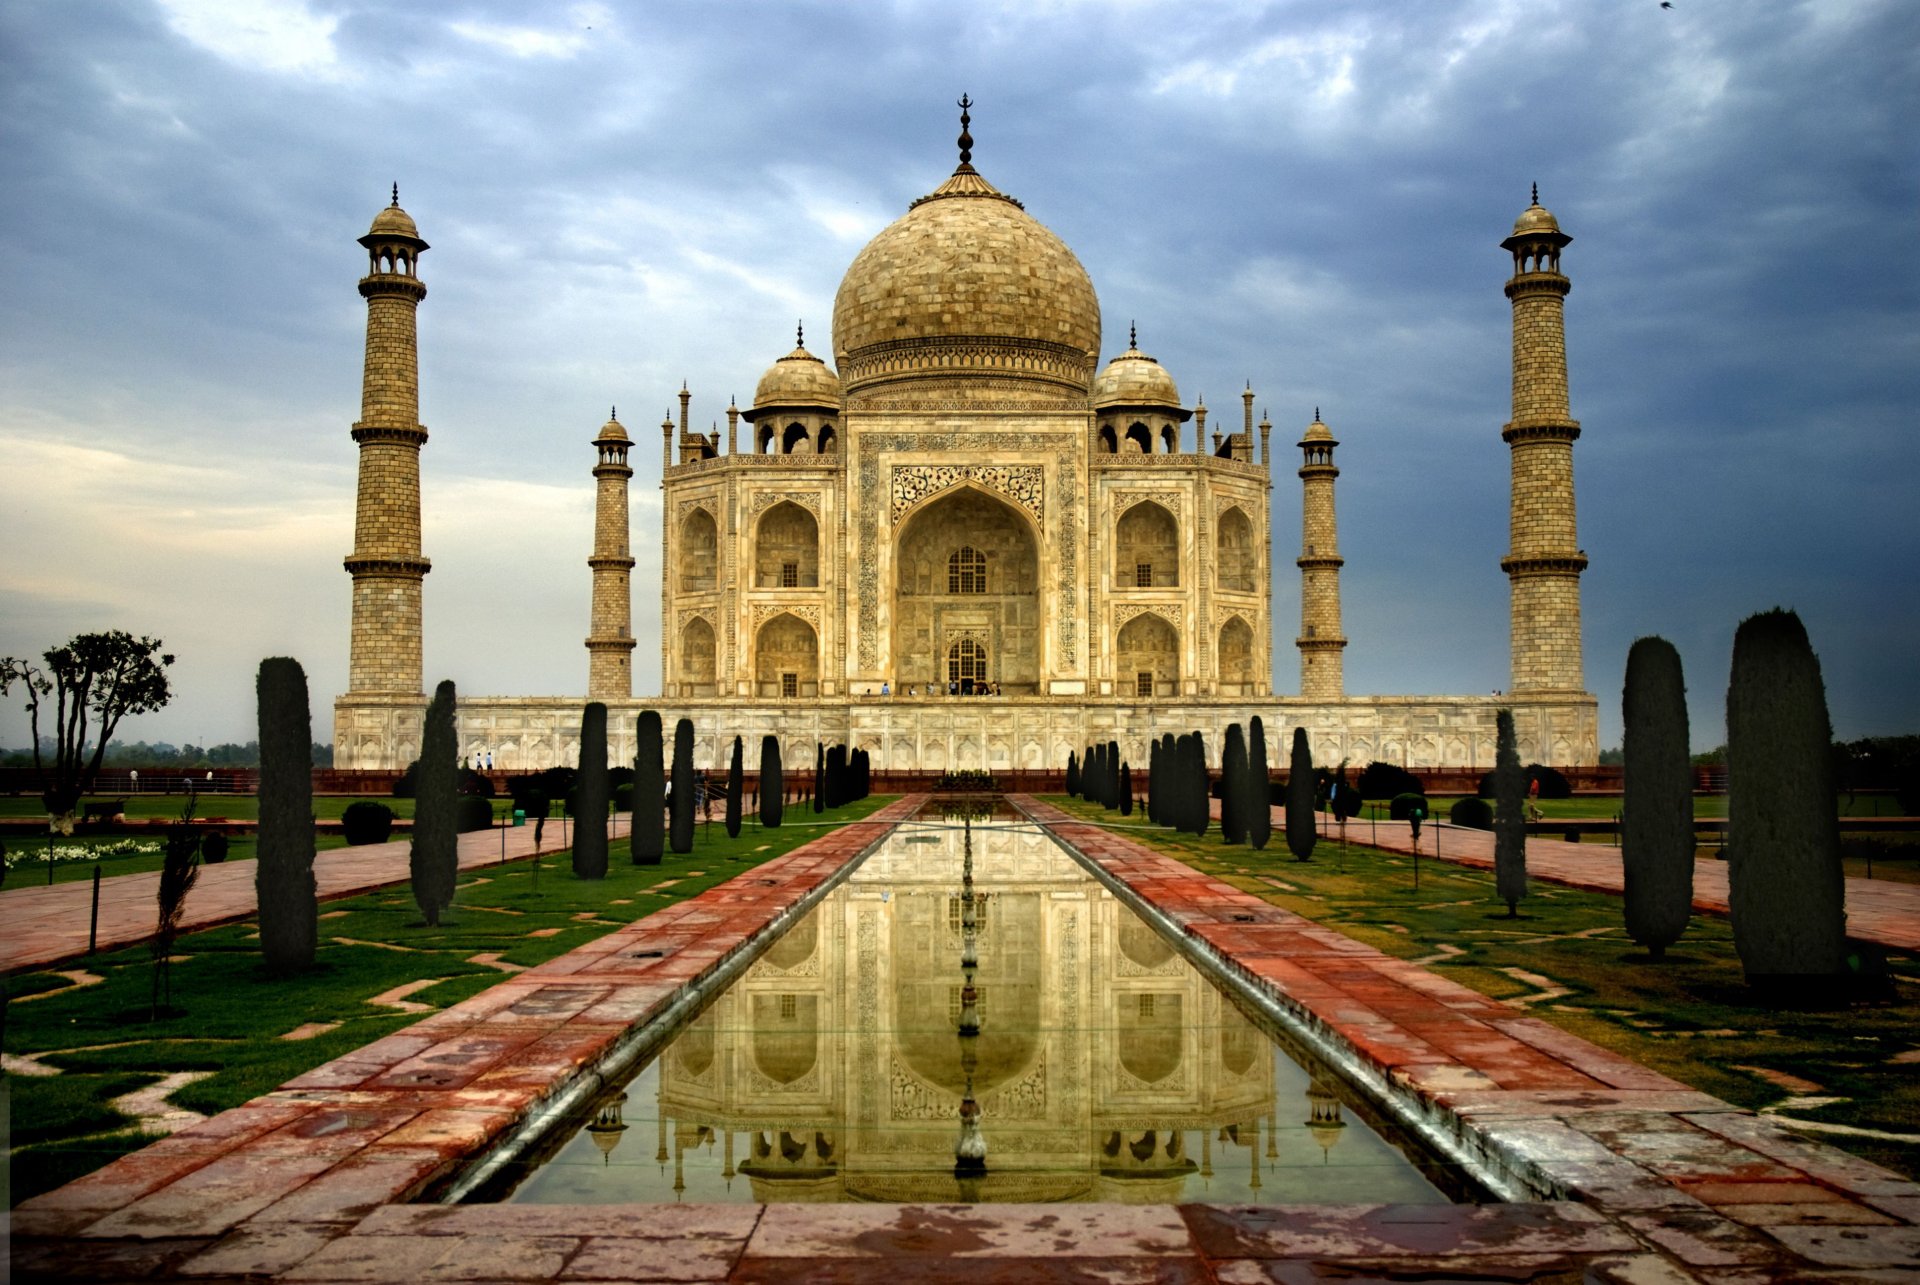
(1558, 430)
(1557, 564)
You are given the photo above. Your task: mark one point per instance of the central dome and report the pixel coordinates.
(969, 289)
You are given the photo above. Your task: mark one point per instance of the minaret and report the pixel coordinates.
(386, 566)
(1320, 639)
(1544, 562)
(610, 640)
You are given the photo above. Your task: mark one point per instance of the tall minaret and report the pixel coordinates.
(610, 643)
(385, 564)
(1544, 562)
(1320, 640)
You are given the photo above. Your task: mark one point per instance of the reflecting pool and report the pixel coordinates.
(1104, 1067)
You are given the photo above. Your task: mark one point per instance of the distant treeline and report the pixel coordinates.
(122, 757)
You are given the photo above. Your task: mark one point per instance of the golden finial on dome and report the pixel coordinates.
(396, 196)
(1133, 336)
(799, 334)
(1536, 194)
(966, 138)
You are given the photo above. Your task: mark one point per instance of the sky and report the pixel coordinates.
(620, 197)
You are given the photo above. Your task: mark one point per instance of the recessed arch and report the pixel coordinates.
(1238, 563)
(698, 656)
(1146, 543)
(786, 548)
(1235, 668)
(796, 440)
(786, 658)
(1139, 435)
(699, 552)
(993, 598)
(1147, 660)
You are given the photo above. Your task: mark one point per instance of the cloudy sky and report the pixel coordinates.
(1309, 196)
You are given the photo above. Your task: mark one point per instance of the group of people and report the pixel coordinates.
(955, 687)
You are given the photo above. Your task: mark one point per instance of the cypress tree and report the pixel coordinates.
(1153, 779)
(772, 783)
(1656, 828)
(433, 858)
(590, 821)
(680, 837)
(1259, 790)
(1509, 816)
(836, 776)
(283, 877)
(1126, 790)
(1111, 767)
(1170, 813)
(649, 839)
(1073, 774)
(819, 776)
(736, 776)
(1300, 828)
(1090, 775)
(1233, 786)
(1202, 786)
(1787, 891)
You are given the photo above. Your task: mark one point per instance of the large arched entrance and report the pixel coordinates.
(966, 596)
(1148, 660)
(787, 658)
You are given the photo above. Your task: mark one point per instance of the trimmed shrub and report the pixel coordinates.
(1110, 774)
(1259, 804)
(1073, 774)
(433, 859)
(474, 783)
(736, 779)
(1553, 783)
(772, 783)
(590, 835)
(649, 836)
(1301, 833)
(680, 836)
(819, 776)
(1787, 891)
(1234, 803)
(1656, 830)
(1153, 780)
(1471, 814)
(1126, 790)
(283, 886)
(365, 821)
(213, 850)
(1385, 780)
(623, 796)
(1509, 817)
(470, 813)
(1400, 805)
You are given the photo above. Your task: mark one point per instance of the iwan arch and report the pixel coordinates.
(968, 498)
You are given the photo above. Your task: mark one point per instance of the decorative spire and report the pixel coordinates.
(1133, 336)
(1536, 194)
(1316, 414)
(799, 334)
(396, 196)
(613, 412)
(966, 139)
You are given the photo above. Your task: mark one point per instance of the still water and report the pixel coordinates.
(1105, 1066)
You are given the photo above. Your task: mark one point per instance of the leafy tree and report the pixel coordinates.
(1259, 805)
(95, 680)
(1380, 780)
(590, 832)
(179, 871)
(1301, 833)
(736, 777)
(283, 876)
(1656, 829)
(1234, 803)
(363, 822)
(1787, 892)
(1509, 816)
(434, 859)
(772, 783)
(681, 836)
(649, 838)
(1073, 774)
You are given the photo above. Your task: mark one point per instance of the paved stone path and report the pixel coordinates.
(1881, 911)
(1650, 1183)
(44, 924)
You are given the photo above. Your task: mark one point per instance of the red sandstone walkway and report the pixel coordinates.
(1880, 911)
(46, 923)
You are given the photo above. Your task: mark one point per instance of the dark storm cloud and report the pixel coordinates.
(620, 197)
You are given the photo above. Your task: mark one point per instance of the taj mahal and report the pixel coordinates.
(965, 541)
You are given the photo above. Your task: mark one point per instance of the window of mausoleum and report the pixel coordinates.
(1238, 565)
(1147, 535)
(699, 552)
(787, 537)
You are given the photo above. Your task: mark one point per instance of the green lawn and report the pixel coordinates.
(232, 1015)
(233, 807)
(27, 858)
(1689, 1017)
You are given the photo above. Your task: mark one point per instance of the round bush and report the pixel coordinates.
(475, 784)
(1386, 780)
(1402, 805)
(623, 796)
(1471, 814)
(213, 849)
(365, 822)
(404, 785)
(472, 813)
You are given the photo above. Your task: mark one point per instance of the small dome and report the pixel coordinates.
(612, 431)
(393, 221)
(1135, 379)
(1535, 218)
(1318, 432)
(798, 379)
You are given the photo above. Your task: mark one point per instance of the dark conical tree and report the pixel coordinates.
(1090, 775)
(1509, 816)
(1259, 789)
(772, 783)
(819, 776)
(434, 856)
(649, 839)
(1301, 833)
(1153, 779)
(1126, 790)
(283, 877)
(736, 777)
(1073, 774)
(1233, 786)
(1786, 888)
(1110, 769)
(836, 776)
(1656, 828)
(680, 836)
(1202, 786)
(590, 798)
(1170, 813)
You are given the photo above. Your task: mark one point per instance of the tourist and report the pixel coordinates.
(886, 688)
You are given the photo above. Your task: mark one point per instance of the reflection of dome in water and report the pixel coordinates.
(1323, 1117)
(607, 1126)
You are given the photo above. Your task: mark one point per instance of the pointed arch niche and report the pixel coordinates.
(966, 567)
(697, 658)
(699, 552)
(1147, 657)
(786, 548)
(1238, 560)
(1146, 544)
(1235, 669)
(786, 658)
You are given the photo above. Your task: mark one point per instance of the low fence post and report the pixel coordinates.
(93, 922)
